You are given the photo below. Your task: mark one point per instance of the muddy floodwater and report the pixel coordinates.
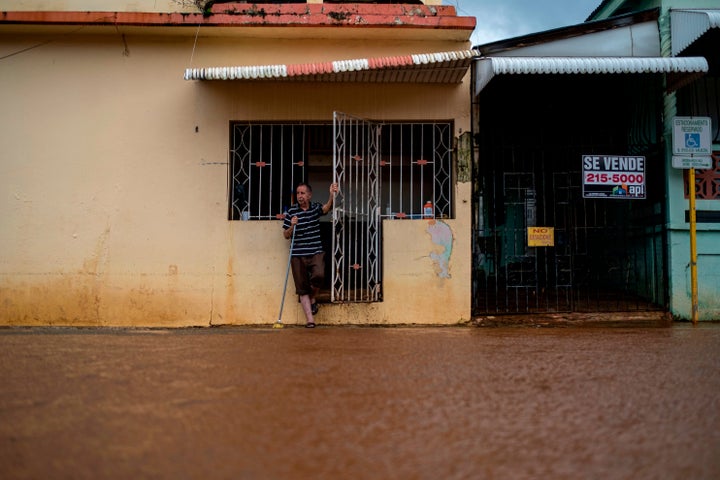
(361, 403)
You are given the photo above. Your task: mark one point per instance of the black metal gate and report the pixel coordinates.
(604, 257)
(606, 254)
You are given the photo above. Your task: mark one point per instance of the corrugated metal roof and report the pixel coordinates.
(488, 67)
(689, 25)
(437, 67)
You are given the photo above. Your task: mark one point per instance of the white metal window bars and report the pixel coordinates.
(356, 273)
(262, 180)
(269, 159)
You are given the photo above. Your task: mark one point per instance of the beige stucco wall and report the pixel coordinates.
(114, 208)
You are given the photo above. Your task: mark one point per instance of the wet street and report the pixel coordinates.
(361, 403)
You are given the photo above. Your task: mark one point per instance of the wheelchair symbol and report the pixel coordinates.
(692, 140)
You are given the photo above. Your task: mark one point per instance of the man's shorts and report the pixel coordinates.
(308, 273)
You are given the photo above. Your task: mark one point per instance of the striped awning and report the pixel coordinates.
(682, 69)
(689, 25)
(438, 67)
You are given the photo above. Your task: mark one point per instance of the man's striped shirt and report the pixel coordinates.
(307, 232)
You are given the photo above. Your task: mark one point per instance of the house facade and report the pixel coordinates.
(580, 206)
(151, 148)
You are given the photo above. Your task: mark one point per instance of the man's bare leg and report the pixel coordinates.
(307, 308)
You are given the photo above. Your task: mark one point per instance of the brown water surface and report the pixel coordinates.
(361, 403)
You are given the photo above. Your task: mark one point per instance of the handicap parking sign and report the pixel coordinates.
(691, 136)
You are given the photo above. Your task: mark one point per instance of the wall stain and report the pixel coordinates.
(92, 297)
(441, 234)
(464, 156)
(229, 280)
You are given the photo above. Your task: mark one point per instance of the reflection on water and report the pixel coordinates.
(376, 403)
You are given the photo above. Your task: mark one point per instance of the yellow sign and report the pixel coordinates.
(541, 236)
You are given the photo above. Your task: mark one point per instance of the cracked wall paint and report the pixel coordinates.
(441, 234)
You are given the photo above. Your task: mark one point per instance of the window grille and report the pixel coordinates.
(707, 181)
(267, 160)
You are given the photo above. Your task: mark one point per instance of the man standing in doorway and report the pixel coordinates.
(307, 259)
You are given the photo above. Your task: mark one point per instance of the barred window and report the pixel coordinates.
(267, 160)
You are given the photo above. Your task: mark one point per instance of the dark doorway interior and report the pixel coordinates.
(608, 254)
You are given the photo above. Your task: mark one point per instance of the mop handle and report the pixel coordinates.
(287, 275)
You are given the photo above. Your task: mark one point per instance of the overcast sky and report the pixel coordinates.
(501, 19)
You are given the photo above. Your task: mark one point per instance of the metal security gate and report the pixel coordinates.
(607, 255)
(356, 255)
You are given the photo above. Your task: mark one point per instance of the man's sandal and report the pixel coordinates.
(310, 325)
(314, 308)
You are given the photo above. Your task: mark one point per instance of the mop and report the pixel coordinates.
(279, 323)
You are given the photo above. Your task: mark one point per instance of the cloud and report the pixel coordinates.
(500, 22)
(502, 19)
